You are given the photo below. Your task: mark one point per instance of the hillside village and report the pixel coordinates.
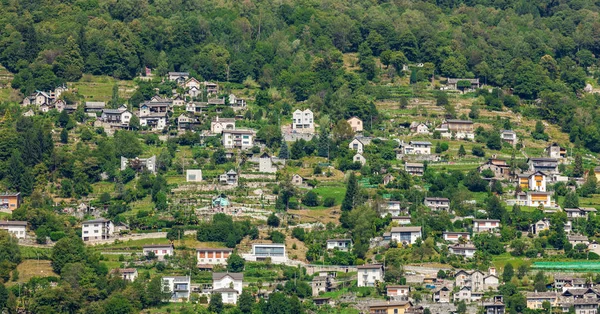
(405, 157)
(453, 229)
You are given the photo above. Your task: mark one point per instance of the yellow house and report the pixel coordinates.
(535, 299)
(524, 181)
(356, 124)
(389, 307)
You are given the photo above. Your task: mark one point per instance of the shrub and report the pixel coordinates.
(329, 201)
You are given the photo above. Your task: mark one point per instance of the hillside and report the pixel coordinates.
(299, 156)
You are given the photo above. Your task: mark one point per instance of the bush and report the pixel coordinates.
(277, 237)
(478, 151)
(57, 235)
(329, 201)
(299, 233)
(310, 199)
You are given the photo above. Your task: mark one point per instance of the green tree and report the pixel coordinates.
(508, 272)
(216, 303)
(154, 292)
(134, 122)
(63, 119)
(3, 298)
(494, 141)
(441, 99)
(69, 64)
(9, 249)
(351, 192)
(591, 184)
(235, 263)
(539, 282)
(578, 166)
(461, 151)
(127, 144)
(283, 151)
(163, 64)
(118, 304)
(67, 250)
(463, 84)
(310, 199)
(571, 200)
(461, 307)
(246, 302)
(64, 136)
(342, 131)
(273, 220)
(495, 208)
(115, 96)
(522, 271)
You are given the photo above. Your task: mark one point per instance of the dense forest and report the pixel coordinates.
(535, 49)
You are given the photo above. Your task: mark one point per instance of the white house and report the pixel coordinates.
(236, 102)
(359, 158)
(546, 165)
(455, 236)
(417, 148)
(414, 169)
(408, 235)
(459, 129)
(192, 83)
(581, 212)
(262, 251)
(139, 163)
(537, 181)
(540, 225)
(128, 274)
(265, 164)
(398, 292)
(117, 117)
(179, 77)
(159, 250)
(229, 285)
(402, 220)
(393, 208)
(357, 145)
(297, 179)
(211, 256)
(218, 125)
(369, 275)
(419, 128)
(178, 286)
(154, 120)
(242, 139)
(509, 136)
(356, 124)
(578, 239)
(438, 203)
(467, 250)
(486, 225)
(302, 121)
(339, 244)
(16, 228)
(193, 175)
(97, 229)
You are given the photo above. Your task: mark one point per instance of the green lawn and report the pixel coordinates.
(99, 88)
(500, 260)
(337, 192)
(4, 216)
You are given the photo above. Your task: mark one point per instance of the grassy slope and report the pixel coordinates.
(99, 88)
